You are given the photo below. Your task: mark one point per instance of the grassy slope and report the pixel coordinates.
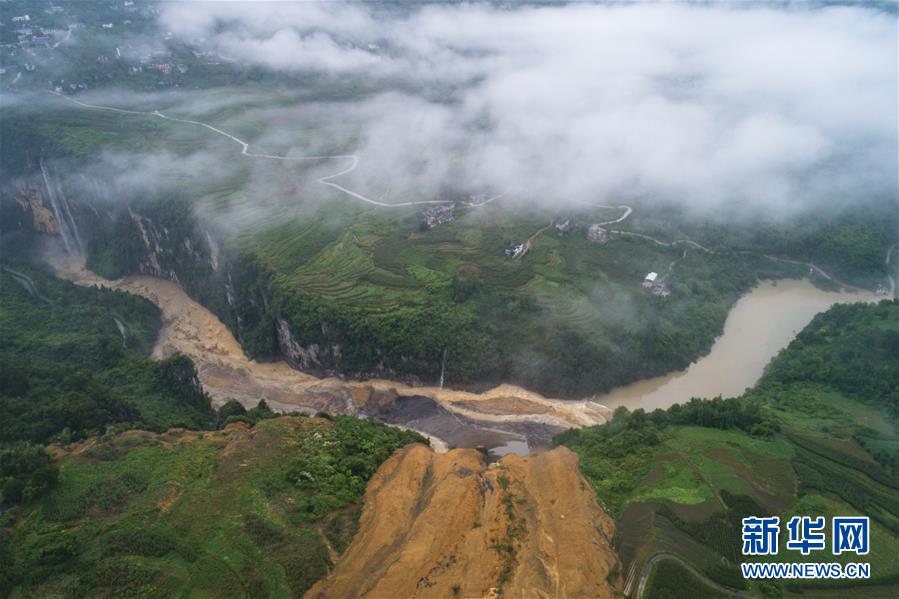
(239, 512)
(835, 455)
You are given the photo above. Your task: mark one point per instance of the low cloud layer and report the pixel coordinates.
(712, 105)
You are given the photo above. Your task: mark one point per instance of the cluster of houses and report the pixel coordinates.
(164, 67)
(34, 37)
(595, 232)
(61, 86)
(31, 36)
(437, 215)
(657, 286)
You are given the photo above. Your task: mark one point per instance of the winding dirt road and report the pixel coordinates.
(647, 570)
(627, 212)
(354, 162)
(526, 246)
(702, 248)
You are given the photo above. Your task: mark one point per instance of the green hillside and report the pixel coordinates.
(816, 436)
(111, 508)
(74, 361)
(382, 295)
(251, 512)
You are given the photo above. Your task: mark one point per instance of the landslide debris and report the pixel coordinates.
(450, 525)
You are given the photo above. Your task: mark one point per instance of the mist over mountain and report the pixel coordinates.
(492, 228)
(729, 110)
(761, 107)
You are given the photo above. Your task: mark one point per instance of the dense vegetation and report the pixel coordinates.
(851, 348)
(259, 508)
(816, 436)
(670, 580)
(848, 242)
(240, 512)
(72, 364)
(376, 295)
(74, 361)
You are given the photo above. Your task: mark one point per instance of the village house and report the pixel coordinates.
(437, 215)
(660, 288)
(563, 226)
(656, 285)
(597, 234)
(515, 249)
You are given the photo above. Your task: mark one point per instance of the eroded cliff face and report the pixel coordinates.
(31, 202)
(311, 357)
(449, 525)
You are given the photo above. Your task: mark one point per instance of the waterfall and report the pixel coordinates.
(65, 204)
(121, 327)
(442, 367)
(68, 229)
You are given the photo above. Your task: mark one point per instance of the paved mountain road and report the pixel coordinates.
(245, 151)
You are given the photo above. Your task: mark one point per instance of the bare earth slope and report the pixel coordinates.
(448, 525)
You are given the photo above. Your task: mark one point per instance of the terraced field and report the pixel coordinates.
(379, 280)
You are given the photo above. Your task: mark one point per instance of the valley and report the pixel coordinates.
(449, 300)
(355, 287)
(226, 373)
(690, 479)
(491, 418)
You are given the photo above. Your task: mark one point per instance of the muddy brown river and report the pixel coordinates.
(504, 419)
(760, 324)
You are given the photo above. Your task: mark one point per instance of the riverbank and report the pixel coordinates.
(456, 418)
(762, 322)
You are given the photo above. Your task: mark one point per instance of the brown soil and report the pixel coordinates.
(226, 373)
(505, 405)
(448, 525)
(42, 218)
